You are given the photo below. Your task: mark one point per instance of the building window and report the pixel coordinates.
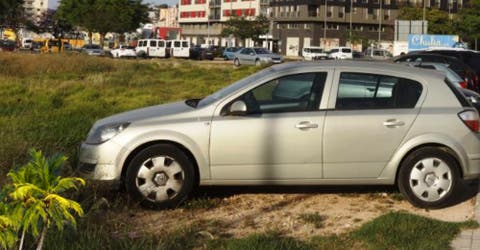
(333, 27)
(293, 26)
(308, 26)
(186, 2)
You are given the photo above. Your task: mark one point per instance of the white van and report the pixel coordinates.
(341, 53)
(313, 53)
(153, 48)
(180, 48)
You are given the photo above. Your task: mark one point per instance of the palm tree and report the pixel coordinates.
(37, 187)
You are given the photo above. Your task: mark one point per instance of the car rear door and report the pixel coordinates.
(371, 114)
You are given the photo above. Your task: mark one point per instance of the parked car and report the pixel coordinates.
(256, 56)
(313, 53)
(377, 54)
(7, 45)
(92, 50)
(469, 57)
(229, 53)
(341, 53)
(462, 69)
(199, 53)
(123, 51)
(449, 73)
(296, 124)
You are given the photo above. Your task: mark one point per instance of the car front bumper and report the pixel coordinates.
(99, 162)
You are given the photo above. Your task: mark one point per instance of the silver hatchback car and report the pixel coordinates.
(337, 123)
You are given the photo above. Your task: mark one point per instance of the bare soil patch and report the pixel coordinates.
(239, 213)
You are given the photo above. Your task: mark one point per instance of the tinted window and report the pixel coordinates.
(185, 44)
(153, 43)
(347, 50)
(176, 44)
(294, 93)
(333, 50)
(368, 91)
(161, 43)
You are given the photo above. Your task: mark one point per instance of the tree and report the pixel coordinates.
(36, 190)
(11, 13)
(468, 21)
(104, 16)
(438, 21)
(242, 28)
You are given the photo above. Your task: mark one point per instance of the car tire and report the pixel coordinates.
(225, 58)
(257, 62)
(160, 176)
(429, 177)
(236, 62)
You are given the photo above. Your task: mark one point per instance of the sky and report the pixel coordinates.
(54, 3)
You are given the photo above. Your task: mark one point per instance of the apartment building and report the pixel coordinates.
(202, 20)
(327, 23)
(34, 9)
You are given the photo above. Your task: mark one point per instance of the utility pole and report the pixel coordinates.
(325, 26)
(380, 24)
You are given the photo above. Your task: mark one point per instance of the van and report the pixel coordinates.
(181, 48)
(27, 43)
(377, 54)
(313, 53)
(153, 48)
(341, 53)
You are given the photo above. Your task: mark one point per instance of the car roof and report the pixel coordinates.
(358, 65)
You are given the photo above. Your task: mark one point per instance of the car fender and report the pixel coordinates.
(391, 169)
(166, 135)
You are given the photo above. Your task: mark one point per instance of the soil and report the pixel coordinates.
(238, 212)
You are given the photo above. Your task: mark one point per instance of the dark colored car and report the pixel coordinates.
(199, 53)
(462, 69)
(7, 45)
(469, 57)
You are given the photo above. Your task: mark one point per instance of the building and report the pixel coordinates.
(202, 20)
(34, 9)
(330, 23)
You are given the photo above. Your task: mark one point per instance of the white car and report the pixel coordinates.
(313, 53)
(123, 51)
(341, 53)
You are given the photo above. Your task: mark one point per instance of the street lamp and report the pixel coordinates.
(380, 23)
(423, 18)
(351, 9)
(325, 26)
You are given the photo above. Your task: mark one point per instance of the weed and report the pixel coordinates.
(202, 203)
(316, 219)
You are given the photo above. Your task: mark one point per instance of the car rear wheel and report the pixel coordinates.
(429, 177)
(160, 176)
(257, 62)
(236, 62)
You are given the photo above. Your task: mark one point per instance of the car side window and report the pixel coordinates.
(370, 91)
(292, 93)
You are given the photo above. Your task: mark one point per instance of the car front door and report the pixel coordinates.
(278, 138)
(372, 114)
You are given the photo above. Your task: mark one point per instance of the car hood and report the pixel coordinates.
(148, 113)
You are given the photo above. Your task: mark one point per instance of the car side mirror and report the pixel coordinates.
(238, 108)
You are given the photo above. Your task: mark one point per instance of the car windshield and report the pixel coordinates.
(233, 87)
(316, 50)
(261, 51)
(92, 46)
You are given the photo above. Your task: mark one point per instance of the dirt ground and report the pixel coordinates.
(237, 212)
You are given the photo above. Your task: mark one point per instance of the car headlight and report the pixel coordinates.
(106, 132)
(266, 59)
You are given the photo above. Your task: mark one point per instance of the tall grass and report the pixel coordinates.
(50, 101)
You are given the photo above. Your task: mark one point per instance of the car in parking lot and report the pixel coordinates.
(256, 56)
(313, 53)
(199, 53)
(92, 50)
(462, 69)
(123, 51)
(341, 53)
(7, 45)
(229, 53)
(296, 124)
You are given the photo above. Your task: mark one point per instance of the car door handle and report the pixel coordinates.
(306, 125)
(393, 123)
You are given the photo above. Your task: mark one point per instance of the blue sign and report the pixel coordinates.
(422, 41)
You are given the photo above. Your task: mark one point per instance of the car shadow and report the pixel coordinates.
(466, 191)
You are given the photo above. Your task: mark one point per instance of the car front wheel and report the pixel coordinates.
(160, 176)
(429, 177)
(236, 62)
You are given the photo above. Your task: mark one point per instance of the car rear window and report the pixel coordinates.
(371, 91)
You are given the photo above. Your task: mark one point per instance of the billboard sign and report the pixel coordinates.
(423, 41)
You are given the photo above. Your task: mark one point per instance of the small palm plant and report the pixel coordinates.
(37, 189)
